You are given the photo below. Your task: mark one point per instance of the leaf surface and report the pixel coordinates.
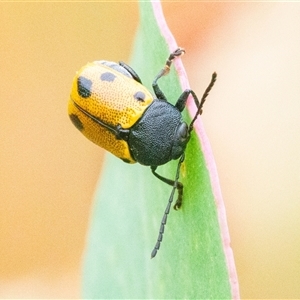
(130, 202)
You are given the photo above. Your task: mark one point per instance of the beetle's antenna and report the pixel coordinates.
(167, 210)
(199, 111)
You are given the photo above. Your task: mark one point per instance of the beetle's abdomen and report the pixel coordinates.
(103, 99)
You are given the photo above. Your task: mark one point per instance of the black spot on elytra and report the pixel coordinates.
(76, 121)
(107, 76)
(139, 96)
(84, 87)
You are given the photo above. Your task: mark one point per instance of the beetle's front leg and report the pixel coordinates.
(159, 94)
(181, 102)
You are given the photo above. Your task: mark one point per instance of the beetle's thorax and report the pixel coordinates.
(157, 137)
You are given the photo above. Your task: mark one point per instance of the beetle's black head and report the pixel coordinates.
(159, 136)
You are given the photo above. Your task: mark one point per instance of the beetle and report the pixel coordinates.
(111, 107)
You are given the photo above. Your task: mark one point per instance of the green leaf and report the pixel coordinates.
(129, 205)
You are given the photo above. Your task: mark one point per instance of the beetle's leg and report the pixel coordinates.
(159, 94)
(131, 71)
(176, 185)
(181, 102)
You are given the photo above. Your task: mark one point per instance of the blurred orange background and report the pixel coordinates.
(49, 171)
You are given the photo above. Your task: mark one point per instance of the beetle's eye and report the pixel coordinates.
(183, 130)
(180, 140)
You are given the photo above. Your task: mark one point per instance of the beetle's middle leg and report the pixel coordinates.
(175, 183)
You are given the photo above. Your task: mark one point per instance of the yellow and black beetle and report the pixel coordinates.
(111, 107)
